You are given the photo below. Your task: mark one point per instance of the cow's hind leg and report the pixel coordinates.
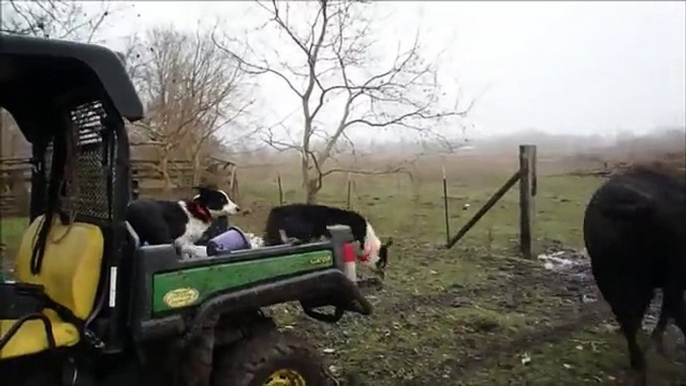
(658, 332)
(674, 305)
(629, 313)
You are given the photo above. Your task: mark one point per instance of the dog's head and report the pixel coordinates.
(383, 255)
(216, 201)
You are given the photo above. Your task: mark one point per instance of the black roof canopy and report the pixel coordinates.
(36, 75)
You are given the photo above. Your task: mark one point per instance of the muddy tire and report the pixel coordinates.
(270, 356)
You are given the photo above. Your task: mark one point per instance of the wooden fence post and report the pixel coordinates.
(527, 189)
(445, 203)
(348, 202)
(278, 181)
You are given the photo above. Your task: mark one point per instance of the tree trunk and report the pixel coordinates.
(304, 170)
(196, 168)
(305, 174)
(312, 188)
(164, 169)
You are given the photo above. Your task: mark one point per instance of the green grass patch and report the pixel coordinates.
(11, 230)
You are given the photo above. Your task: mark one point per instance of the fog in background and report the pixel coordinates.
(585, 68)
(570, 76)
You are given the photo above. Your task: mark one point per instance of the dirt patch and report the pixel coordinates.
(568, 321)
(464, 330)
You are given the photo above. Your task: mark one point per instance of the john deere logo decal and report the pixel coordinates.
(181, 297)
(321, 260)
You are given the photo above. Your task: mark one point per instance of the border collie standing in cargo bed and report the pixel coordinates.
(635, 235)
(308, 223)
(179, 222)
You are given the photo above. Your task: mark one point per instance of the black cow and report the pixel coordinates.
(635, 235)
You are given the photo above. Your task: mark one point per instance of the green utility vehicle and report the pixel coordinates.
(90, 306)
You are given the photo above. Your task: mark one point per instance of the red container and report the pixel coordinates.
(349, 261)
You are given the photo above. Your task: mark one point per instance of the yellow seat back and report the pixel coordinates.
(71, 266)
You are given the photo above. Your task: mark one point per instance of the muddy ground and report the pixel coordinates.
(495, 332)
(477, 314)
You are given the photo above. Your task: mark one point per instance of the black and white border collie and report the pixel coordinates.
(307, 223)
(180, 223)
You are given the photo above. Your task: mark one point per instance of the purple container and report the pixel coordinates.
(232, 240)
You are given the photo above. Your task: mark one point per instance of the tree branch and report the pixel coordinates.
(255, 69)
(345, 84)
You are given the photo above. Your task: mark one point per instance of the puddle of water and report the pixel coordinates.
(566, 261)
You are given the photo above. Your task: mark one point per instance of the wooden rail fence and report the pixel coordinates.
(147, 180)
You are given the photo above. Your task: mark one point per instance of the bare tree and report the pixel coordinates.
(54, 19)
(191, 91)
(331, 74)
(57, 19)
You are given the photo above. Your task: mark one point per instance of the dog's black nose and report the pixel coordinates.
(238, 209)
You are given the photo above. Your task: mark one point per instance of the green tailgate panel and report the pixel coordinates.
(191, 286)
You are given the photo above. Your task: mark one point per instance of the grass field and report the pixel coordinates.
(10, 235)
(473, 315)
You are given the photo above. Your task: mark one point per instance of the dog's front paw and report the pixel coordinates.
(293, 241)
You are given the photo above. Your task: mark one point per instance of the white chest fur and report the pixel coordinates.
(372, 244)
(194, 229)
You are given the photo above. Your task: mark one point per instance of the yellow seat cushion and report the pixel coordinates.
(70, 274)
(30, 338)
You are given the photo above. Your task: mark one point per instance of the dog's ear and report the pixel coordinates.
(202, 192)
(201, 188)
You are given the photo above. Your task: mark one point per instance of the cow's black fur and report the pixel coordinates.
(635, 235)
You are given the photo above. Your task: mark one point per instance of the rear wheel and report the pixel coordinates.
(270, 358)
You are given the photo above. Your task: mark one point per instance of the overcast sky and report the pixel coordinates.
(588, 67)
